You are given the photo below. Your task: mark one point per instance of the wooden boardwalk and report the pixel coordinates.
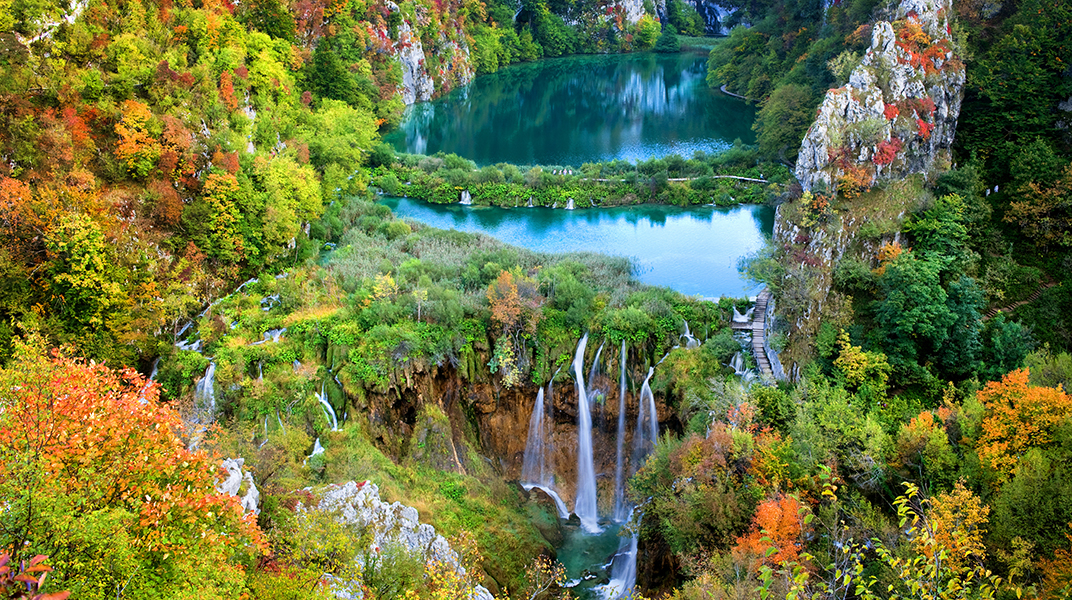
(759, 333)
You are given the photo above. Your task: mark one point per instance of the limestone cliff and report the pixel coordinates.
(426, 71)
(898, 113)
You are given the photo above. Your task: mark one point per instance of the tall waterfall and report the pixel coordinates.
(585, 503)
(534, 467)
(647, 425)
(535, 472)
(620, 509)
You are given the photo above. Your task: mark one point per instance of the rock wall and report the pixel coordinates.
(898, 113)
(714, 16)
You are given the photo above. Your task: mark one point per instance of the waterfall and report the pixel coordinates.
(622, 571)
(647, 426)
(155, 370)
(742, 318)
(619, 475)
(329, 411)
(623, 568)
(593, 373)
(534, 466)
(739, 369)
(466, 198)
(317, 449)
(585, 503)
(205, 392)
(690, 342)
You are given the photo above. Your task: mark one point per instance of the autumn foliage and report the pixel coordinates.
(778, 524)
(95, 475)
(1018, 416)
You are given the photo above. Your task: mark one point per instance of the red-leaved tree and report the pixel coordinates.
(93, 474)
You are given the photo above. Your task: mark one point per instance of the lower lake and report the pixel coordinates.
(694, 251)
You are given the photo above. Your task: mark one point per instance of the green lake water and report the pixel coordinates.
(579, 109)
(693, 251)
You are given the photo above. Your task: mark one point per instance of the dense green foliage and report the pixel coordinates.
(726, 179)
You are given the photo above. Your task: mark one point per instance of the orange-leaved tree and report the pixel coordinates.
(1018, 416)
(778, 525)
(516, 307)
(94, 475)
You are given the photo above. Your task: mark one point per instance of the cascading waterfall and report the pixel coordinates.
(620, 509)
(329, 411)
(205, 391)
(623, 569)
(585, 503)
(535, 470)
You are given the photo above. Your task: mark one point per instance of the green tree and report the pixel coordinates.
(783, 120)
(668, 41)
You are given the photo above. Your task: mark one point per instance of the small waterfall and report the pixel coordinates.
(205, 391)
(260, 370)
(466, 198)
(155, 369)
(742, 318)
(739, 369)
(569, 204)
(317, 449)
(585, 503)
(690, 342)
(620, 509)
(534, 467)
(329, 411)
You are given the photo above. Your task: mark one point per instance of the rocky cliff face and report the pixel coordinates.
(424, 413)
(423, 78)
(898, 113)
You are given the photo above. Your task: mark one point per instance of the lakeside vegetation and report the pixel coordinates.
(735, 176)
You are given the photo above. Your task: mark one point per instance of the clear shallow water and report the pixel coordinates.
(569, 111)
(693, 251)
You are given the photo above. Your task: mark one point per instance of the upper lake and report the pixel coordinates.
(569, 111)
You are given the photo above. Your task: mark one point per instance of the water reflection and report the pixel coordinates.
(580, 109)
(694, 251)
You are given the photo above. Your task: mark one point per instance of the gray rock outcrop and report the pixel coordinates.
(237, 478)
(898, 113)
(359, 504)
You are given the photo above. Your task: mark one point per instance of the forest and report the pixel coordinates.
(195, 266)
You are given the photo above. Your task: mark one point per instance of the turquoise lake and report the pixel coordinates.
(569, 111)
(694, 251)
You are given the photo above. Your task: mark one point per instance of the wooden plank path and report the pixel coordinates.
(759, 332)
(993, 312)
